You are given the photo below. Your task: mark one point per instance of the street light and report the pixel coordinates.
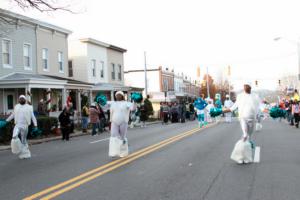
(298, 50)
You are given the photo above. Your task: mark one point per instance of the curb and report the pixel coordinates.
(39, 141)
(147, 124)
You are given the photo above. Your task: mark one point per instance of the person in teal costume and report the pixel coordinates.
(200, 105)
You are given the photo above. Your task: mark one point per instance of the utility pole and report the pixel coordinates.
(198, 80)
(145, 70)
(229, 74)
(207, 84)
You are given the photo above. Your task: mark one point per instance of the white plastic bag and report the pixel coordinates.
(258, 126)
(242, 152)
(124, 149)
(114, 146)
(16, 145)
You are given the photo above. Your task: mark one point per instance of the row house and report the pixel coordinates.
(33, 54)
(100, 64)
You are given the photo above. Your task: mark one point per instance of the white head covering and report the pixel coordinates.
(227, 96)
(22, 97)
(120, 92)
(248, 83)
(93, 104)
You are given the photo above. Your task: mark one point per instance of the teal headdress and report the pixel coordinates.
(101, 99)
(137, 97)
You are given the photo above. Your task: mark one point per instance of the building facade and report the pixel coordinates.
(163, 85)
(34, 62)
(100, 64)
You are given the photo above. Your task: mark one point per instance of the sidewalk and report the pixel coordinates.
(54, 138)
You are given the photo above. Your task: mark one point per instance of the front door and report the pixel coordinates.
(9, 101)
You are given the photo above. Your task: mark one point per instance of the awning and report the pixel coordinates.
(22, 80)
(110, 87)
(160, 97)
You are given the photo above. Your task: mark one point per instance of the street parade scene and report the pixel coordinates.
(198, 106)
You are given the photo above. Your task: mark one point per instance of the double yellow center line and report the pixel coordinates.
(70, 184)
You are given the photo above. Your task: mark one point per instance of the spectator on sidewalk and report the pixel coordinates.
(174, 113)
(41, 107)
(289, 112)
(102, 119)
(296, 112)
(94, 118)
(65, 123)
(144, 114)
(72, 117)
(85, 118)
(165, 110)
(182, 112)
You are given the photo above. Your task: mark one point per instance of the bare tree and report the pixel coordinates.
(43, 5)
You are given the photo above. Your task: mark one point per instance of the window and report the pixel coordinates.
(45, 60)
(102, 70)
(27, 56)
(6, 53)
(70, 64)
(60, 62)
(94, 68)
(113, 72)
(120, 72)
(10, 102)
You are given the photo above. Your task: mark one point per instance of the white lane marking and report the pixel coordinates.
(257, 155)
(99, 140)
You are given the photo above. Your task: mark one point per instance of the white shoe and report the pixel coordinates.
(247, 161)
(240, 162)
(25, 154)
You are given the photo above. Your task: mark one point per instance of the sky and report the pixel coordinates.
(185, 34)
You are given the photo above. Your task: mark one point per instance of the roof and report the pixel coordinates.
(10, 14)
(24, 76)
(70, 81)
(110, 86)
(136, 88)
(102, 44)
(141, 70)
(94, 41)
(21, 80)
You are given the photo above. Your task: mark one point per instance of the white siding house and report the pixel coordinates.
(98, 63)
(89, 60)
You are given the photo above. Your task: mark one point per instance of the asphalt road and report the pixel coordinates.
(196, 166)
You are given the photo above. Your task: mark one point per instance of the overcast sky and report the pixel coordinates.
(186, 34)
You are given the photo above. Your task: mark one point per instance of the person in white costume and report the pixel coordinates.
(207, 109)
(23, 115)
(119, 117)
(248, 105)
(227, 104)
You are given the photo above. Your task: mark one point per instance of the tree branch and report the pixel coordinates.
(42, 5)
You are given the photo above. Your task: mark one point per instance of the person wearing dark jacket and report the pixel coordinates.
(144, 115)
(65, 124)
(102, 119)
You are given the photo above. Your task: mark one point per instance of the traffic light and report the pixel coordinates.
(256, 83)
(198, 72)
(279, 82)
